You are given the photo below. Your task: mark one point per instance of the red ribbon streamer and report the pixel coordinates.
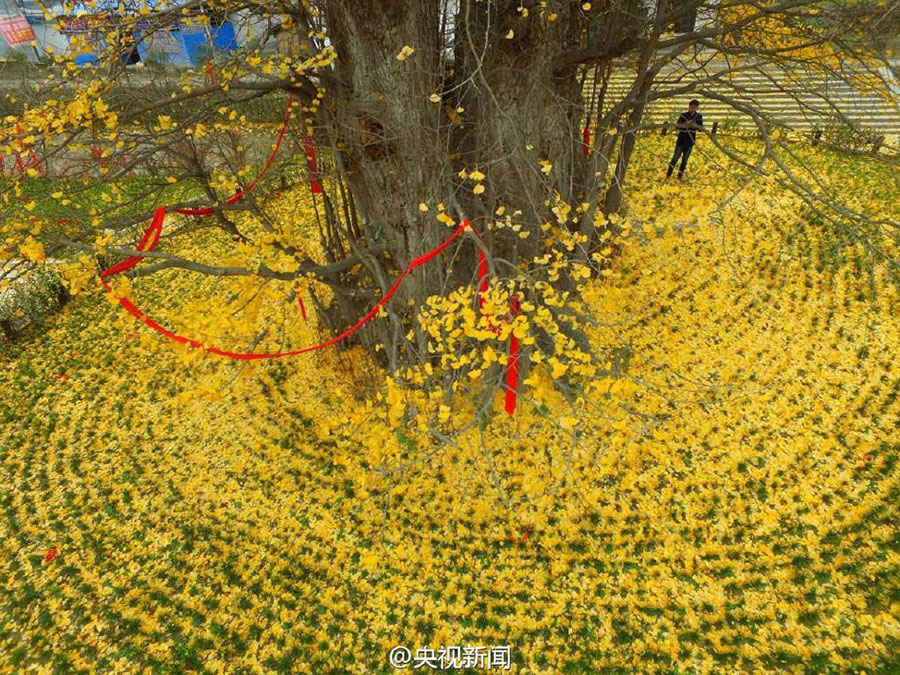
(151, 239)
(151, 236)
(512, 364)
(586, 140)
(148, 243)
(482, 277)
(210, 73)
(302, 306)
(311, 165)
(21, 167)
(36, 162)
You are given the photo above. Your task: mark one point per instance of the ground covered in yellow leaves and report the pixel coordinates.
(725, 503)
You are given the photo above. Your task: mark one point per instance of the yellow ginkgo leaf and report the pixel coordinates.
(32, 250)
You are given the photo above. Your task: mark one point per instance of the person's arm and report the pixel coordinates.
(682, 123)
(692, 124)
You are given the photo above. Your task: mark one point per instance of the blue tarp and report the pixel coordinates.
(177, 44)
(187, 45)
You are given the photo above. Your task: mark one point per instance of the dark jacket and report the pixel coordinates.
(687, 128)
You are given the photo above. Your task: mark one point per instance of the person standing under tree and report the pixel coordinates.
(687, 125)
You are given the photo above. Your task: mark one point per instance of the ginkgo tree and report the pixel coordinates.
(412, 117)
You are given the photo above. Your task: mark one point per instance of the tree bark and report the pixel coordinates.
(504, 108)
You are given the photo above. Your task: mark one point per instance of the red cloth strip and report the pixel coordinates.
(586, 140)
(512, 364)
(310, 153)
(483, 282)
(251, 356)
(148, 243)
(33, 160)
(482, 277)
(311, 165)
(302, 306)
(482, 271)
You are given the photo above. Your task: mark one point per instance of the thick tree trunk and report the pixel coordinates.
(390, 151)
(495, 97)
(397, 148)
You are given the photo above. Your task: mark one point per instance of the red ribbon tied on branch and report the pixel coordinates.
(482, 277)
(311, 165)
(151, 239)
(152, 235)
(33, 160)
(302, 306)
(512, 363)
